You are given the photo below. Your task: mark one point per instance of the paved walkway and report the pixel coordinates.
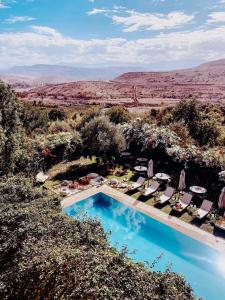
(183, 227)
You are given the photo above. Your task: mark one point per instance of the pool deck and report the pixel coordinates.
(185, 228)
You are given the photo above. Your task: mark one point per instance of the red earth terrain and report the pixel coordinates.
(205, 82)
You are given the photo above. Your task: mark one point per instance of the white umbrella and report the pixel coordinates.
(182, 184)
(221, 203)
(150, 169)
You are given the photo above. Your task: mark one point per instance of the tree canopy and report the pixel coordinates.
(14, 146)
(102, 138)
(118, 115)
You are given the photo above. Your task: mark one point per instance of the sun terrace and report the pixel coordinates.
(141, 181)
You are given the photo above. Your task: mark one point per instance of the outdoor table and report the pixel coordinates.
(140, 169)
(198, 190)
(142, 159)
(125, 154)
(162, 176)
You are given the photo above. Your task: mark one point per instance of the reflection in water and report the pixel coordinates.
(133, 220)
(220, 263)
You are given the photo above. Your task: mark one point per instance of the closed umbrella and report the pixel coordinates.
(182, 184)
(221, 203)
(150, 169)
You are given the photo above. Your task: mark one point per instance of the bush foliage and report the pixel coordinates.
(118, 115)
(102, 138)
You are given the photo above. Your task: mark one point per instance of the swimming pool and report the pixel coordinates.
(146, 238)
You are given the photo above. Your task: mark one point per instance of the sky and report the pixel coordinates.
(157, 34)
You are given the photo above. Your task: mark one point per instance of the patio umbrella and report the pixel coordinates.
(182, 184)
(221, 203)
(150, 169)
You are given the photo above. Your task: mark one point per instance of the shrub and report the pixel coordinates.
(34, 118)
(153, 112)
(118, 115)
(206, 133)
(56, 114)
(88, 116)
(102, 138)
(188, 111)
(55, 147)
(59, 126)
(182, 131)
(18, 189)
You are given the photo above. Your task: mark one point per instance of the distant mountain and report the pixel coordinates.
(216, 64)
(54, 73)
(205, 82)
(205, 74)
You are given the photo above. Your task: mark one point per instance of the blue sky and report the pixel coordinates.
(160, 34)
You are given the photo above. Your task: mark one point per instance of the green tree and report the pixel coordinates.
(206, 133)
(118, 115)
(57, 114)
(13, 142)
(102, 138)
(34, 118)
(188, 111)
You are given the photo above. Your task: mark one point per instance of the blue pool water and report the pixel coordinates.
(202, 266)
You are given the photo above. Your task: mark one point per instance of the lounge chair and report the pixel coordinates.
(183, 203)
(167, 195)
(203, 211)
(137, 184)
(221, 223)
(151, 189)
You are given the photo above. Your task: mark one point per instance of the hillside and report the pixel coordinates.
(206, 82)
(208, 73)
(24, 77)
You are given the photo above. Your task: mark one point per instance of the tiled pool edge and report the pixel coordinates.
(175, 223)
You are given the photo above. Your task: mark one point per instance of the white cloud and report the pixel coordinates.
(46, 45)
(96, 11)
(3, 5)
(136, 21)
(217, 17)
(16, 19)
(44, 30)
(106, 12)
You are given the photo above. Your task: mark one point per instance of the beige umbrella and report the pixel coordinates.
(150, 169)
(221, 203)
(182, 184)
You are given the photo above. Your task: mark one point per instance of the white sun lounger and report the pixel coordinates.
(203, 211)
(152, 189)
(137, 184)
(183, 203)
(167, 195)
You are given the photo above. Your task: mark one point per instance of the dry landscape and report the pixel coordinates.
(206, 83)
